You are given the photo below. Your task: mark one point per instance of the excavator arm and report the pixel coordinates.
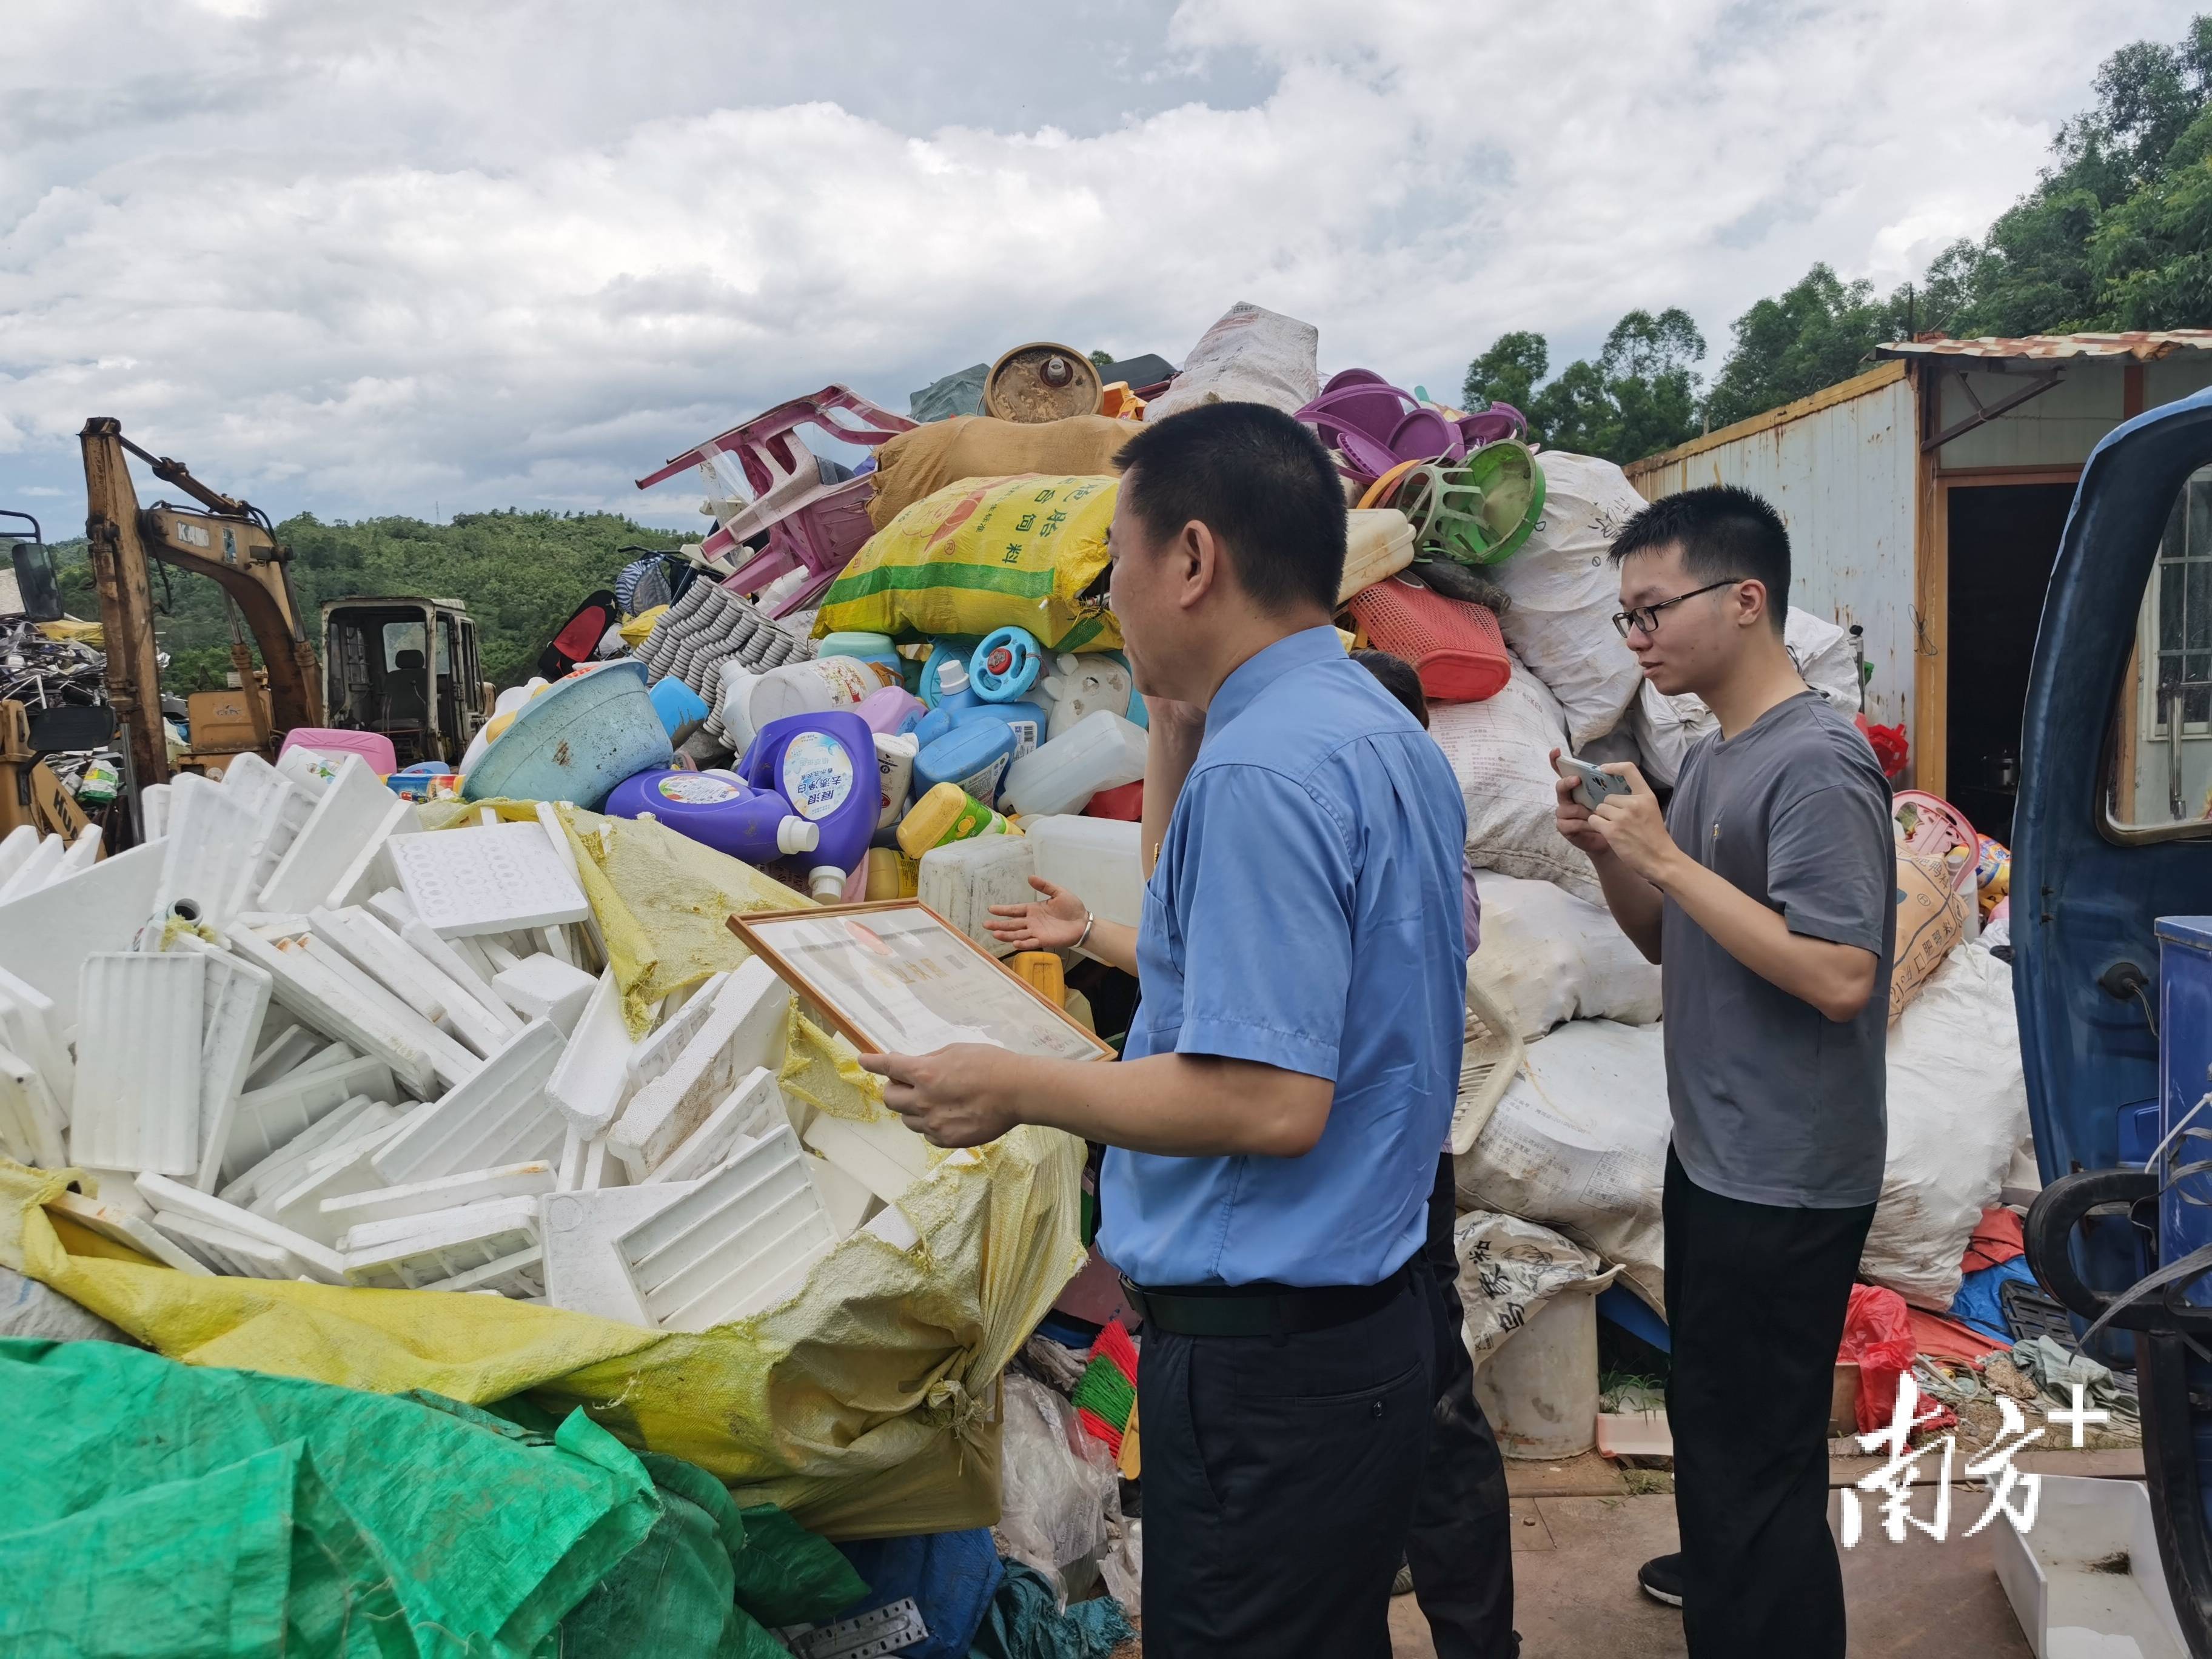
(232, 543)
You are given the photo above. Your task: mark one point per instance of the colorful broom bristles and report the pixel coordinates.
(1107, 1392)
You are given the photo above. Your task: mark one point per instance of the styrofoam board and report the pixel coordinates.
(33, 1125)
(230, 1254)
(154, 811)
(235, 1003)
(280, 1052)
(117, 1187)
(215, 837)
(749, 1027)
(520, 1277)
(370, 868)
(352, 1117)
(310, 768)
(656, 1051)
(27, 1025)
(354, 809)
(394, 963)
(16, 847)
(592, 1076)
(543, 987)
(715, 1254)
(584, 1268)
(389, 905)
(500, 954)
(448, 1059)
(337, 1172)
(891, 1225)
(328, 1057)
(46, 936)
(35, 872)
(302, 985)
(499, 1116)
(458, 965)
(173, 1197)
(441, 1245)
(137, 1102)
(282, 806)
(83, 852)
(746, 1113)
(568, 1172)
(366, 951)
(265, 1120)
(846, 1197)
(442, 1193)
(603, 1170)
(883, 1154)
(120, 1226)
(480, 963)
(486, 880)
(556, 945)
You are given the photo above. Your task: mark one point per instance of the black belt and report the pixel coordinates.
(1258, 1310)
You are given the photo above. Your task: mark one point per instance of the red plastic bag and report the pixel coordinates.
(1878, 1337)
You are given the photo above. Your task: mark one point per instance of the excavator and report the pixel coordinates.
(405, 666)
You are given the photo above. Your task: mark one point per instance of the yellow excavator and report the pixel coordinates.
(403, 665)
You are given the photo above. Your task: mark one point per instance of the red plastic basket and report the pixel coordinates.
(1456, 647)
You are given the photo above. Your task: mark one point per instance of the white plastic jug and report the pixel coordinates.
(962, 881)
(1539, 1389)
(816, 686)
(1100, 861)
(1102, 751)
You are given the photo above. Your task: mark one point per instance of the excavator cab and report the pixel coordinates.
(405, 666)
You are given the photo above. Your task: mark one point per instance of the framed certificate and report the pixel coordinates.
(896, 978)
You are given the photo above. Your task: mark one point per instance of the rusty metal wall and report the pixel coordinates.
(1842, 478)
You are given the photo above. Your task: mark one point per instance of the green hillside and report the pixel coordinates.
(520, 574)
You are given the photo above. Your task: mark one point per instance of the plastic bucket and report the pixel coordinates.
(575, 741)
(1538, 1388)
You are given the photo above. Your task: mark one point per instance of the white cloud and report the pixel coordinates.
(363, 259)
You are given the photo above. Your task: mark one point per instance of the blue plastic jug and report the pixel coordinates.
(824, 764)
(974, 756)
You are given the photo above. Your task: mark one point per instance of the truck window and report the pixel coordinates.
(400, 636)
(2161, 775)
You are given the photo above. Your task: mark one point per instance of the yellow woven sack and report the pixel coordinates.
(981, 554)
(866, 1407)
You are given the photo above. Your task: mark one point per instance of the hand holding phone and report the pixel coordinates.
(1595, 786)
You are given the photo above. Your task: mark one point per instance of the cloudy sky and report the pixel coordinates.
(413, 257)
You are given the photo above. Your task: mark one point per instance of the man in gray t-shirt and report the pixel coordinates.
(1767, 889)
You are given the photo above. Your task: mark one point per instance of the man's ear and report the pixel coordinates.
(1200, 563)
(1751, 595)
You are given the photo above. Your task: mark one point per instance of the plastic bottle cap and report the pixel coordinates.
(796, 834)
(952, 677)
(827, 884)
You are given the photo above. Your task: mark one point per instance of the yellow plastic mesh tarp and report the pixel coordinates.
(866, 1407)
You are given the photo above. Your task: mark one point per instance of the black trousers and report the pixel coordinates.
(1280, 1475)
(1755, 1300)
(1460, 1547)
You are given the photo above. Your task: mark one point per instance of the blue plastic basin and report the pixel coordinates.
(575, 741)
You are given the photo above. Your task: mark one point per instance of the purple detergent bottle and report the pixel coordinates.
(824, 764)
(718, 810)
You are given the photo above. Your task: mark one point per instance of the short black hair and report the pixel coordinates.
(1726, 533)
(1261, 482)
(1399, 679)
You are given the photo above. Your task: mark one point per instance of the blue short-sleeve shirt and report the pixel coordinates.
(1305, 913)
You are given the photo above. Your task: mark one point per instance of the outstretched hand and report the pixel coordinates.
(1053, 924)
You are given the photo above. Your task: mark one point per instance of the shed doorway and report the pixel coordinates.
(2001, 544)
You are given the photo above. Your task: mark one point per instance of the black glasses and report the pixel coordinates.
(1646, 617)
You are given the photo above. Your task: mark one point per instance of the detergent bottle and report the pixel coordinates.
(895, 754)
(824, 764)
(974, 756)
(719, 810)
(893, 709)
(946, 814)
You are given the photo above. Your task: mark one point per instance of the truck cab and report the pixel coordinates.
(2111, 887)
(406, 666)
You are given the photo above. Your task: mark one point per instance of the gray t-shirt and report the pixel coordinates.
(1773, 1102)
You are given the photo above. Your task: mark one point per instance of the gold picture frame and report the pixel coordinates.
(895, 977)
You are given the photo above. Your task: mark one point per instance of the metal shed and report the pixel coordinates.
(1925, 499)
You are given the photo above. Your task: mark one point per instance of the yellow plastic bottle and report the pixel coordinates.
(946, 814)
(891, 874)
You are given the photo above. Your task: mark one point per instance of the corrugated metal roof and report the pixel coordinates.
(2144, 345)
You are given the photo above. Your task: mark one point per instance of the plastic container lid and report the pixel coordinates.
(952, 677)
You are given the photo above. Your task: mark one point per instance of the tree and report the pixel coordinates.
(1637, 397)
(1812, 335)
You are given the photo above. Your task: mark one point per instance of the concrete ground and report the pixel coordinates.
(1581, 1532)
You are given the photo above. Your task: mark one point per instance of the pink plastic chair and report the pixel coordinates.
(372, 746)
(811, 525)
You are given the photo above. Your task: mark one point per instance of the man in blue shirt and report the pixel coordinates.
(1290, 1070)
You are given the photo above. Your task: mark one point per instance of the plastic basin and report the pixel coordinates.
(575, 741)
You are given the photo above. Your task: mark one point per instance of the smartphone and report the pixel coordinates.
(1596, 786)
